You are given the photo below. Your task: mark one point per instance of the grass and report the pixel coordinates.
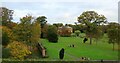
(96, 51)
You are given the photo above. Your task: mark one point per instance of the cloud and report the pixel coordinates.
(21, 13)
(63, 11)
(67, 15)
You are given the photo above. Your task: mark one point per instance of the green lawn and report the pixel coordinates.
(101, 50)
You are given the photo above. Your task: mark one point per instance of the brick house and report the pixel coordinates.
(65, 31)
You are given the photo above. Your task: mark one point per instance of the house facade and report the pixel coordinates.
(65, 31)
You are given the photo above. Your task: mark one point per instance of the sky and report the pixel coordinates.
(63, 11)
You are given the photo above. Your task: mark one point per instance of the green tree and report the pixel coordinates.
(42, 20)
(22, 31)
(113, 25)
(91, 20)
(104, 28)
(114, 33)
(5, 38)
(5, 52)
(27, 30)
(52, 35)
(6, 15)
(58, 24)
(44, 30)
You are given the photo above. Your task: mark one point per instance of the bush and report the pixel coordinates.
(5, 38)
(73, 35)
(18, 50)
(52, 35)
(6, 35)
(5, 52)
(77, 32)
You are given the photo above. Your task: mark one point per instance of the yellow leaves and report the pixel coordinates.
(35, 32)
(7, 30)
(18, 50)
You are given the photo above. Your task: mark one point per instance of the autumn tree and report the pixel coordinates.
(6, 35)
(18, 50)
(91, 20)
(35, 31)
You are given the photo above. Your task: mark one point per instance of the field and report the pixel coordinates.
(100, 49)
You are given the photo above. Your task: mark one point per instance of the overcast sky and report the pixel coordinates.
(62, 11)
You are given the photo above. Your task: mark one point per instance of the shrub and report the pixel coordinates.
(6, 35)
(5, 38)
(73, 35)
(52, 35)
(77, 32)
(18, 50)
(5, 52)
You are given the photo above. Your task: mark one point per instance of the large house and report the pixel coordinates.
(65, 31)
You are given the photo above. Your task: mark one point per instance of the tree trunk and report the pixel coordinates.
(90, 40)
(41, 35)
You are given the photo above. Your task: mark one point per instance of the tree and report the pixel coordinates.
(27, 30)
(5, 38)
(114, 33)
(112, 25)
(52, 35)
(6, 35)
(44, 30)
(22, 31)
(18, 50)
(91, 20)
(42, 20)
(6, 15)
(58, 24)
(104, 28)
(35, 33)
(11, 24)
(77, 32)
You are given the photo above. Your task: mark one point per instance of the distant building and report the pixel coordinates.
(65, 31)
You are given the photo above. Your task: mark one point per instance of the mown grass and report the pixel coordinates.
(100, 49)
